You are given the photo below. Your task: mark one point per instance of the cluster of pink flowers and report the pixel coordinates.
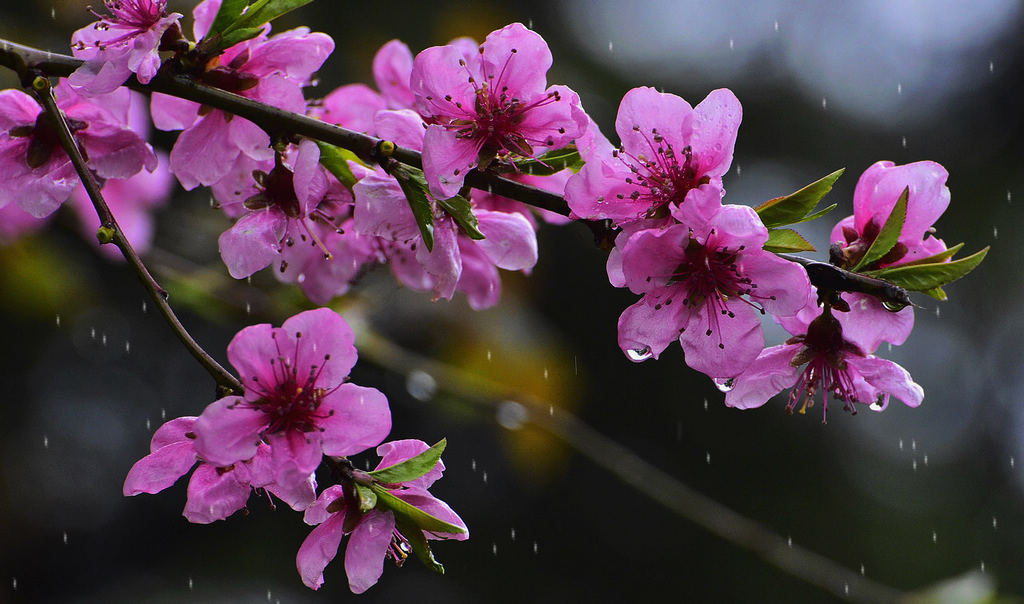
(700, 266)
(298, 406)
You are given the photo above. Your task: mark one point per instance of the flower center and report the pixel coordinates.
(291, 402)
(140, 14)
(663, 176)
(825, 352)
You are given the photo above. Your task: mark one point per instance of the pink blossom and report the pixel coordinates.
(279, 212)
(37, 173)
(214, 493)
(832, 363)
(373, 535)
(706, 285)
(877, 191)
(296, 399)
(270, 70)
(494, 103)
(392, 71)
(668, 150)
(123, 42)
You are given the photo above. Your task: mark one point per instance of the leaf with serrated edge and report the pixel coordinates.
(461, 210)
(816, 215)
(412, 468)
(924, 277)
(889, 234)
(415, 515)
(797, 205)
(940, 257)
(786, 241)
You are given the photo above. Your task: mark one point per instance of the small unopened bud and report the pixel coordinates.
(105, 234)
(385, 148)
(41, 84)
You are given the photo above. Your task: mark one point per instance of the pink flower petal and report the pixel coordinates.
(353, 107)
(716, 120)
(423, 500)
(733, 344)
(161, 468)
(172, 432)
(888, 377)
(324, 334)
(357, 418)
(446, 159)
(319, 548)
(214, 495)
(769, 374)
(367, 546)
(397, 451)
(392, 69)
(516, 58)
(228, 432)
(510, 241)
(645, 109)
(646, 330)
(253, 243)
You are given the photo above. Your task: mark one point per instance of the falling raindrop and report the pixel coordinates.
(53, 13)
(915, 465)
(248, 308)
(732, 44)
(991, 66)
(512, 534)
(14, 583)
(995, 523)
(776, 25)
(862, 569)
(58, 316)
(903, 142)
(144, 306)
(1009, 198)
(938, 312)
(127, 347)
(925, 460)
(545, 373)
(935, 537)
(149, 425)
(103, 339)
(610, 46)
(1011, 462)
(899, 88)
(995, 232)
(268, 595)
(846, 588)
(472, 464)
(551, 410)
(901, 444)
(421, 385)
(529, 23)
(46, 442)
(739, 170)
(92, 333)
(163, 413)
(511, 415)
(64, 536)
(789, 541)
(485, 477)
(705, 404)
(575, 365)
(707, 458)
(913, 444)
(824, 103)
(494, 548)
(535, 548)
(982, 566)
(488, 356)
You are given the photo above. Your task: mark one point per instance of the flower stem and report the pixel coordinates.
(110, 232)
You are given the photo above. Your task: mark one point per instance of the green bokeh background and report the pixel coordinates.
(914, 495)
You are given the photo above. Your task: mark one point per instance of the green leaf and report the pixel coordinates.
(419, 544)
(928, 277)
(228, 13)
(262, 12)
(416, 194)
(462, 212)
(786, 241)
(817, 214)
(230, 38)
(796, 206)
(417, 517)
(889, 234)
(367, 498)
(552, 162)
(940, 257)
(936, 292)
(336, 159)
(412, 468)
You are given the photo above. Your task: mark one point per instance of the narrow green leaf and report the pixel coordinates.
(416, 194)
(552, 162)
(817, 214)
(367, 498)
(462, 212)
(418, 542)
(936, 292)
(786, 241)
(416, 516)
(412, 468)
(795, 206)
(230, 38)
(264, 11)
(889, 234)
(228, 13)
(927, 277)
(336, 159)
(940, 257)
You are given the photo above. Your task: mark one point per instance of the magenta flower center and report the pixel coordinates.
(825, 351)
(291, 402)
(138, 14)
(662, 175)
(712, 278)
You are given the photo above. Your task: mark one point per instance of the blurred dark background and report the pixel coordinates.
(911, 496)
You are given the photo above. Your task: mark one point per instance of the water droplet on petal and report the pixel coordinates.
(512, 415)
(725, 384)
(421, 385)
(639, 354)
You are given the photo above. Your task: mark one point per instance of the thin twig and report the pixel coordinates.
(112, 233)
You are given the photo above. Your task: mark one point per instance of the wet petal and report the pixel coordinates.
(357, 418)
